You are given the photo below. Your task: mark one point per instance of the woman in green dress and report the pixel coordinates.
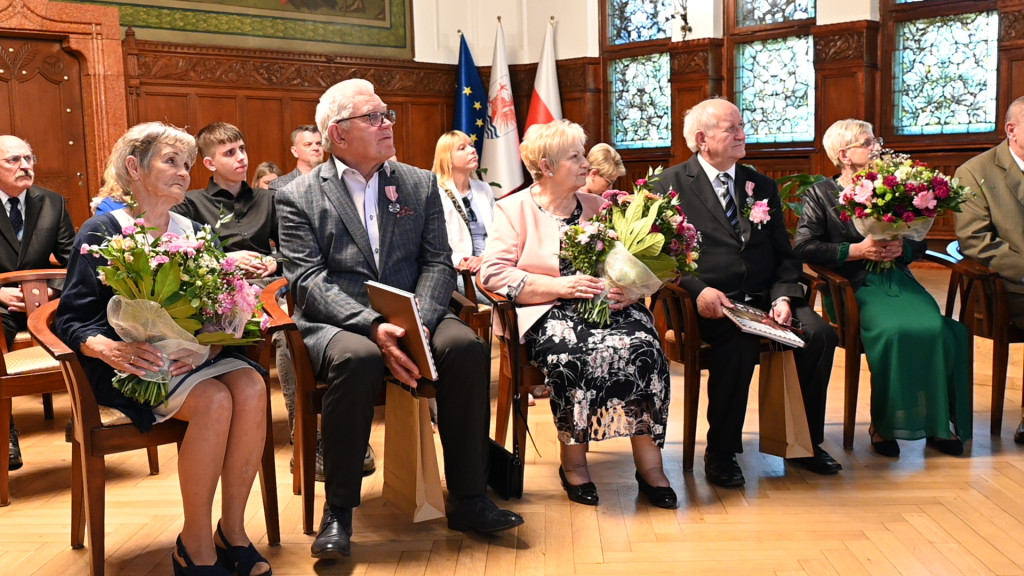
(920, 382)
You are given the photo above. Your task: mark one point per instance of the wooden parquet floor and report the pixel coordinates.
(925, 513)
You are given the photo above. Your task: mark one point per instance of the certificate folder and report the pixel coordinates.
(399, 308)
(756, 321)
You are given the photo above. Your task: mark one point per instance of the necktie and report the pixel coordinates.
(731, 213)
(17, 221)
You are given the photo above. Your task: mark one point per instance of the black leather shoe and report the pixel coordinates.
(583, 493)
(821, 463)
(890, 448)
(480, 514)
(15, 451)
(723, 470)
(1018, 436)
(951, 446)
(660, 496)
(334, 540)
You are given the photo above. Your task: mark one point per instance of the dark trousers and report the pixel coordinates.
(354, 371)
(731, 364)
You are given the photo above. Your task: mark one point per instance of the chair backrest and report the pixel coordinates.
(281, 320)
(34, 285)
(976, 293)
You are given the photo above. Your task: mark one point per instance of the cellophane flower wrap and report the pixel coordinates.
(898, 197)
(179, 293)
(635, 242)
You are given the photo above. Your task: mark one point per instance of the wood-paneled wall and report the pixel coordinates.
(267, 93)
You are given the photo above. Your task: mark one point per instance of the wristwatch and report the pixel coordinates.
(780, 299)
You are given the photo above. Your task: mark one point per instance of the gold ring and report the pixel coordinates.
(132, 361)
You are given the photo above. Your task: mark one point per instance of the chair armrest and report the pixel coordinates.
(980, 290)
(279, 319)
(38, 326)
(847, 312)
(462, 306)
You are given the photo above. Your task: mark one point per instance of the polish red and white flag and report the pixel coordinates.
(546, 102)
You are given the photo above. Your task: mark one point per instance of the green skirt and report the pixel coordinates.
(920, 381)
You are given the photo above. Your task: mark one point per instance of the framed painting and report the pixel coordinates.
(378, 28)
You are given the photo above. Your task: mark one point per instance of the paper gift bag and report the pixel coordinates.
(412, 480)
(783, 421)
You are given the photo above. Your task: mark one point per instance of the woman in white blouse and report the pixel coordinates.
(467, 201)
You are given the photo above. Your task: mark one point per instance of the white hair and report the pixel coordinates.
(337, 102)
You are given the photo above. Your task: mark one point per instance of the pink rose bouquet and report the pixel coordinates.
(646, 241)
(181, 293)
(897, 197)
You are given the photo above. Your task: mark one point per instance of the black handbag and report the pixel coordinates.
(505, 469)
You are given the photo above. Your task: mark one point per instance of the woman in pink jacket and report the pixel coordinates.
(606, 382)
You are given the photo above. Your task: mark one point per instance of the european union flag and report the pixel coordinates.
(470, 100)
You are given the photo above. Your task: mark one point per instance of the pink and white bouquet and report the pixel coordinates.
(635, 242)
(180, 293)
(897, 197)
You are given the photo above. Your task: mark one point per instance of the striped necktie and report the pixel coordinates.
(731, 212)
(17, 221)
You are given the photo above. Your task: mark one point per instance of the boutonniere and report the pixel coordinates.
(756, 211)
(404, 211)
(392, 193)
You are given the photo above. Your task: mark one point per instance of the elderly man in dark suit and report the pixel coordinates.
(989, 227)
(745, 262)
(360, 217)
(38, 226)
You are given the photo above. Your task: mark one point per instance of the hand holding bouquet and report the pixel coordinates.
(635, 242)
(897, 197)
(180, 293)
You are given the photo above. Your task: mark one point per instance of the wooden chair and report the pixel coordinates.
(99, 431)
(27, 370)
(844, 317)
(515, 379)
(675, 317)
(983, 308)
(475, 316)
(309, 394)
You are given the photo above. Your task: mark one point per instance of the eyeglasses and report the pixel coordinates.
(869, 143)
(470, 215)
(375, 118)
(15, 161)
(609, 181)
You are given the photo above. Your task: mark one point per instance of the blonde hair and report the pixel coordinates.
(843, 134)
(551, 141)
(264, 168)
(446, 146)
(606, 161)
(142, 142)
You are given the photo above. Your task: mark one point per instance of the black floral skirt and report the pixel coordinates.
(605, 382)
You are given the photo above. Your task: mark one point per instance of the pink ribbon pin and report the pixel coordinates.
(391, 192)
(750, 188)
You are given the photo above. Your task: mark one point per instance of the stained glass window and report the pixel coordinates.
(641, 102)
(775, 89)
(945, 74)
(757, 12)
(637, 20)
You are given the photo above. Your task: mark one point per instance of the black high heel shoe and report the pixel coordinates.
(660, 496)
(583, 493)
(890, 448)
(952, 446)
(239, 559)
(189, 567)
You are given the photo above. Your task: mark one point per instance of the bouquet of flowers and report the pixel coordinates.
(180, 293)
(635, 242)
(897, 197)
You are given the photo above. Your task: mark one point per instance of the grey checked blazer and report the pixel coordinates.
(327, 255)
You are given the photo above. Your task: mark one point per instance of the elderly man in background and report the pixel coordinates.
(37, 226)
(359, 217)
(990, 226)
